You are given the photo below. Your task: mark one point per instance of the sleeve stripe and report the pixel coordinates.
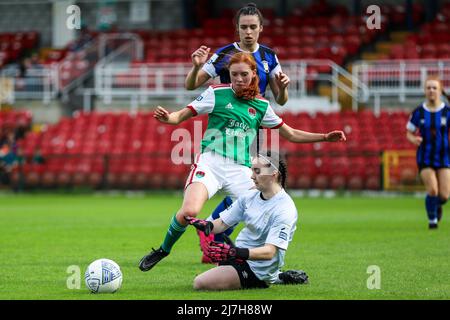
(279, 125)
(191, 176)
(194, 113)
(411, 127)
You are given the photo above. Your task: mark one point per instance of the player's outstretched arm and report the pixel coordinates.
(174, 118)
(208, 227)
(196, 76)
(299, 136)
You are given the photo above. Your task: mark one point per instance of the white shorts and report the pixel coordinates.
(216, 173)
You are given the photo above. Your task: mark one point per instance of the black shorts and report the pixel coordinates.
(248, 279)
(425, 166)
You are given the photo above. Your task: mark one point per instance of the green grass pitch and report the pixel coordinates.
(337, 239)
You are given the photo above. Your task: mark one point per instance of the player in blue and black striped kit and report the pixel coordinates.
(431, 120)
(249, 25)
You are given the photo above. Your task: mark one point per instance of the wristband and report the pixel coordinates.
(242, 253)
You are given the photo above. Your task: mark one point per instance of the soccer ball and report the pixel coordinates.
(103, 276)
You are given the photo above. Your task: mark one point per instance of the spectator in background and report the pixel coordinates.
(8, 157)
(28, 68)
(37, 156)
(83, 38)
(32, 62)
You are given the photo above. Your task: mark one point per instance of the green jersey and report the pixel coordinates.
(232, 122)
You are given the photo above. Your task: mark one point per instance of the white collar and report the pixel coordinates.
(236, 45)
(441, 106)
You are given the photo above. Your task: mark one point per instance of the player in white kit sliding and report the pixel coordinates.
(270, 219)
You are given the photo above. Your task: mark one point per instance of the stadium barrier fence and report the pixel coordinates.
(399, 78)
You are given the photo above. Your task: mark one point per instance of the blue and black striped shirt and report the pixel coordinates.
(266, 61)
(433, 126)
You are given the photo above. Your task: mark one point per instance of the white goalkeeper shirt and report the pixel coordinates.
(270, 221)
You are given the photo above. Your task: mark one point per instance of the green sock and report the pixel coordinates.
(174, 233)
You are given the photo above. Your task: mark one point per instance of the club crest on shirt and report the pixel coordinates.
(252, 112)
(266, 66)
(199, 174)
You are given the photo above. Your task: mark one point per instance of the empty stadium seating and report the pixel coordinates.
(430, 42)
(13, 45)
(119, 150)
(14, 119)
(318, 31)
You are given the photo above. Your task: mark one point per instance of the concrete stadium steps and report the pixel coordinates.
(383, 48)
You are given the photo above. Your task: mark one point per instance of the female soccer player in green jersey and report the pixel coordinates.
(235, 112)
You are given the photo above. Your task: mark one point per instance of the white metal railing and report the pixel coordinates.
(46, 81)
(117, 40)
(327, 71)
(399, 78)
(40, 83)
(140, 81)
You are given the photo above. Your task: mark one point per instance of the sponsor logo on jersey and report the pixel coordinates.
(199, 98)
(252, 112)
(266, 66)
(199, 174)
(229, 106)
(443, 121)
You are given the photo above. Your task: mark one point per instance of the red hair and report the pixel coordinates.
(252, 90)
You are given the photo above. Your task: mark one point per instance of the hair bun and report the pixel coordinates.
(251, 4)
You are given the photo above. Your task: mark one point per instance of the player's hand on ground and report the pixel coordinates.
(161, 114)
(335, 136)
(200, 56)
(202, 225)
(282, 80)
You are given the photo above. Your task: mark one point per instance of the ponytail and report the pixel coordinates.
(445, 95)
(248, 10)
